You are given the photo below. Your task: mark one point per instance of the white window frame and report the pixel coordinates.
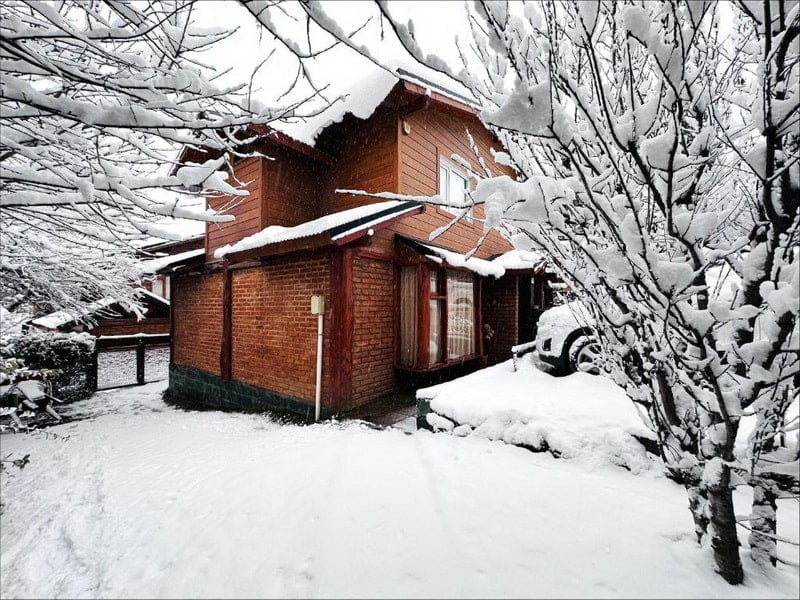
(444, 192)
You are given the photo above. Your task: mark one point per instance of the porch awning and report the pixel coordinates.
(514, 260)
(337, 229)
(172, 262)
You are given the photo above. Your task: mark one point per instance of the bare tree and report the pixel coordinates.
(96, 99)
(657, 153)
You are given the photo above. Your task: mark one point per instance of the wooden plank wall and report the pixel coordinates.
(246, 209)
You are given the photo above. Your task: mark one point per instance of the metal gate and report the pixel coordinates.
(122, 360)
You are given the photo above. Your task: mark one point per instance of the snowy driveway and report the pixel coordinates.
(144, 500)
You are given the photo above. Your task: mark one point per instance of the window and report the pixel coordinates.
(453, 186)
(437, 316)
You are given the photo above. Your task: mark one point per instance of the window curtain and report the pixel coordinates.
(408, 316)
(460, 315)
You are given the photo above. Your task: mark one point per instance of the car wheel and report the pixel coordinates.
(584, 356)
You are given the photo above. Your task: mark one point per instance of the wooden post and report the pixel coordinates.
(140, 360)
(91, 374)
(226, 348)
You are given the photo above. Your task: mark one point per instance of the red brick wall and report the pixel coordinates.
(373, 330)
(500, 311)
(197, 321)
(274, 334)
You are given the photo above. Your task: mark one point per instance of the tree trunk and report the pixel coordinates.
(763, 546)
(724, 540)
(698, 502)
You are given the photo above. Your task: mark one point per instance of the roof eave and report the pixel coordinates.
(317, 241)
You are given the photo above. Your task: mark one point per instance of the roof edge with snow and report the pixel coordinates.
(335, 229)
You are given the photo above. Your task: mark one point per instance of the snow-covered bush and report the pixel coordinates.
(96, 100)
(64, 359)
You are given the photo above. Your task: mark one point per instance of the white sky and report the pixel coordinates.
(435, 25)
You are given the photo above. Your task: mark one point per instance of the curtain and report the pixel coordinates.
(408, 316)
(460, 315)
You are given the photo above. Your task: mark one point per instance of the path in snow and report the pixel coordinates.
(149, 501)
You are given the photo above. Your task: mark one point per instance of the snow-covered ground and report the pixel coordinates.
(146, 500)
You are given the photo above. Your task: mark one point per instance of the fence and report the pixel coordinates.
(121, 360)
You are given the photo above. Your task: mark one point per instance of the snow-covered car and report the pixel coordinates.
(565, 339)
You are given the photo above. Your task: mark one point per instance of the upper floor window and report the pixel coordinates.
(453, 186)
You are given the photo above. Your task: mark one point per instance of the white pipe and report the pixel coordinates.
(319, 366)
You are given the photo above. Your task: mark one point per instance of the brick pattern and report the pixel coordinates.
(500, 312)
(274, 334)
(373, 330)
(197, 321)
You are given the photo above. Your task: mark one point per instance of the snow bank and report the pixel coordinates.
(581, 417)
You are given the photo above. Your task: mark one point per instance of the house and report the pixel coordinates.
(396, 306)
(109, 317)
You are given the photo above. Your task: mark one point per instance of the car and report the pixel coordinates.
(566, 339)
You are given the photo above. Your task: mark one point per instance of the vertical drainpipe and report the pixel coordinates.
(318, 391)
(227, 316)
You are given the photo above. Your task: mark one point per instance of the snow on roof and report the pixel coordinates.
(159, 264)
(361, 100)
(59, 318)
(519, 259)
(339, 225)
(480, 266)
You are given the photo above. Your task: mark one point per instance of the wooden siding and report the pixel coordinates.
(437, 132)
(368, 162)
(245, 209)
(294, 188)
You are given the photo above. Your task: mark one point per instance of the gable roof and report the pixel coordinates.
(365, 96)
(337, 229)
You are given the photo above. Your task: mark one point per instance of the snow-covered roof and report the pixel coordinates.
(515, 260)
(173, 260)
(337, 226)
(59, 318)
(362, 98)
(438, 254)
(510, 261)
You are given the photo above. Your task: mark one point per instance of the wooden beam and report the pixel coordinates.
(225, 366)
(346, 299)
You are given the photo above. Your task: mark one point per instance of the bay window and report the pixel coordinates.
(438, 317)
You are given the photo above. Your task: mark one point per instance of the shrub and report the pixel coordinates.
(65, 359)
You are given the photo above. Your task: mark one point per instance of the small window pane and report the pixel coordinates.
(458, 188)
(434, 282)
(408, 316)
(443, 181)
(435, 346)
(460, 315)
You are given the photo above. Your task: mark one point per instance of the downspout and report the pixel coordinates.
(318, 308)
(318, 391)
